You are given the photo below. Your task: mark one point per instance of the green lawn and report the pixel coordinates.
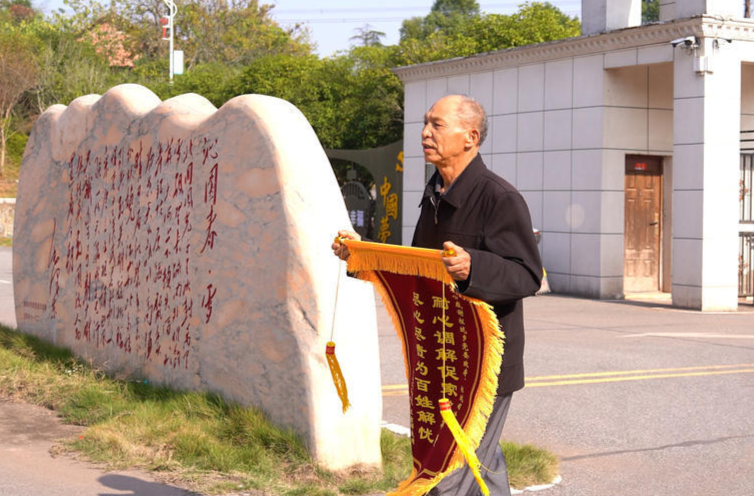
(199, 440)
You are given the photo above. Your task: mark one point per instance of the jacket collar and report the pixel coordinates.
(461, 188)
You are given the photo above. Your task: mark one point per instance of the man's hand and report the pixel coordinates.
(458, 265)
(339, 249)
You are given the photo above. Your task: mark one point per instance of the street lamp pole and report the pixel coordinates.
(173, 8)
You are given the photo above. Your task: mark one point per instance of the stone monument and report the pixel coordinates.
(191, 246)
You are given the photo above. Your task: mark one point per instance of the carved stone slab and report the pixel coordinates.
(191, 246)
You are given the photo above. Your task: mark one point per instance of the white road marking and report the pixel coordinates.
(703, 335)
(5, 282)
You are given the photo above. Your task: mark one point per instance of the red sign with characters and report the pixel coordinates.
(452, 347)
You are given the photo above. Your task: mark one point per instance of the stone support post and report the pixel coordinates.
(598, 16)
(707, 106)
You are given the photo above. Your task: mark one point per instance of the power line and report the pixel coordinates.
(423, 8)
(362, 19)
(570, 8)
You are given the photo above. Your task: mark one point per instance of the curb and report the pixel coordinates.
(405, 431)
(541, 487)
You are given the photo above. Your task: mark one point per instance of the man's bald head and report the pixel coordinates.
(470, 113)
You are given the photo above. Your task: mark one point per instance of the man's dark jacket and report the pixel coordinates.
(488, 217)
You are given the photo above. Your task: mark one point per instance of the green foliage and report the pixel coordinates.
(236, 36)
(15, 147)
(650, 11)
(17, 11)
(352, 100)
(233, 47)
(6, 4)
(231, 32)
(18, 75)
(70, 68)
(445, 16)
(535, 22)
(466, 8)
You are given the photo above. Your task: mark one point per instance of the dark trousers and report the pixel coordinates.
(462, 482)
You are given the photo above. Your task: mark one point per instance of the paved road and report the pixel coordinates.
(635, 399)
(27, 433)
(28, 469)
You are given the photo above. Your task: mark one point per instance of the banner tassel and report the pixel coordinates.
(337, 375)
(463, 443)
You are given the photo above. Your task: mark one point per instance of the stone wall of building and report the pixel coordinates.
(559, 132)
(191, 246)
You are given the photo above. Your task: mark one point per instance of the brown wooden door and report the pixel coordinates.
(643, 224)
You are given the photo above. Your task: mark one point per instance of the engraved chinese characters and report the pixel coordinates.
(126, 245)
(189, 245)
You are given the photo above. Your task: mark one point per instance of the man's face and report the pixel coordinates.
(445, 138)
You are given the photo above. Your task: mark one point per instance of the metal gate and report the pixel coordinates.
(360, 205)
(746, 217)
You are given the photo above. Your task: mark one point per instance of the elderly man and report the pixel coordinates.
(485, 220)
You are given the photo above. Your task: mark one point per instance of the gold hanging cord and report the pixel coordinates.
(332, 360)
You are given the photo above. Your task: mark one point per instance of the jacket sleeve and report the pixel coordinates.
(507, 267)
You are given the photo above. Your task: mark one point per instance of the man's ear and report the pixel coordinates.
(472, 139)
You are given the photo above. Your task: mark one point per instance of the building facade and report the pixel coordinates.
(625, 143)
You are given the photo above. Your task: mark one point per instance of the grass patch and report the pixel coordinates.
(6, 241)
(529, 465)
(197, 440)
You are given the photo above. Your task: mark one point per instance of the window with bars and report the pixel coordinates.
(746, 186)
(746, 217)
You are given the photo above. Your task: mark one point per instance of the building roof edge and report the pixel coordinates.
(634, 37)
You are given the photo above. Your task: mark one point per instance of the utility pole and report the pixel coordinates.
(168, 23)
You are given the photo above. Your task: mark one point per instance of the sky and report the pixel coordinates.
(332, 22)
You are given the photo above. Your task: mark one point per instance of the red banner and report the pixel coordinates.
(452, 347)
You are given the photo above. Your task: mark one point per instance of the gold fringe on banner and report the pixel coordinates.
(402, 260)
(364, 259)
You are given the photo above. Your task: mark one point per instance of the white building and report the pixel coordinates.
(625, 143)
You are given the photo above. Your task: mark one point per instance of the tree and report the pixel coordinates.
(69, 67)
(352, 100)
(371, 111)
(747, 8)
(444, 16)
(467, 8)
(224, 31)
(7, 4)
(535, 22)
(366, 36)
(650, 11)
(18, 74)
(17, 10)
